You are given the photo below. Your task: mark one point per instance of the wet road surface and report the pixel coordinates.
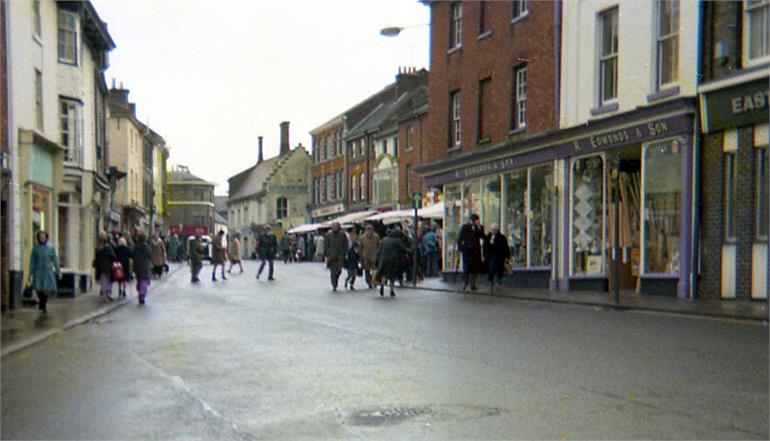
(290, 359)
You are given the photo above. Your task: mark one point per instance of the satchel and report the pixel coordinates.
(27, 293)
(118, 274)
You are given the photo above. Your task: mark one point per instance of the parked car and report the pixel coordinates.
(205, 242)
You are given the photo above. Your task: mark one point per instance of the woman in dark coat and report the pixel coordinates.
(391, 260)
(496, 251)
(142, 265)
(469, 244)
(351, 264)
(124, 254)
(103, 260)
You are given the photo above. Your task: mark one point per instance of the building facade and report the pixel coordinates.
(733, 172)
(56, 58)
(274, 192)
(329, 160)
(190, 207)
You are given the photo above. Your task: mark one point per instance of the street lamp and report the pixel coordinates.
(394, 31)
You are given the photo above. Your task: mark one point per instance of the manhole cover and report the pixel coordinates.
(380, 417)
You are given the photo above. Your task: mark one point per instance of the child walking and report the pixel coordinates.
(351, 264)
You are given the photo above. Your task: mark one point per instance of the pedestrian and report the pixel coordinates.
(469, 244)
(301, 249)
(267, 250)
(496, 251)
(173, 248)
(142, 266)
(219, 255)
(335, 246)
(370, 249)
(235, 254)
(195, 256)
(44, 270)
(391, 261)
(284, 248)
(293, 248)
(430, 246)
(351, 264)
(319, 248)
(158, 252)
(104, 258)
(123, 253)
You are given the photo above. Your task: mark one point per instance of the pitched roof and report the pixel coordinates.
(251, 180)
(388, 113)
(182, 173)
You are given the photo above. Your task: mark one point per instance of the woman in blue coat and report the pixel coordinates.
(44, 270)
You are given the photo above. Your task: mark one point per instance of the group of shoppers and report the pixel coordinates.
(482, 253)
(116, 261)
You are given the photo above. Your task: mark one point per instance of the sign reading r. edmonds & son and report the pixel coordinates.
(741, 105)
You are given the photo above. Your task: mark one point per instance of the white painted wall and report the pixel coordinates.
(637, 31)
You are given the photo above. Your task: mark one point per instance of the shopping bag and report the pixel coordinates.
(118, 274)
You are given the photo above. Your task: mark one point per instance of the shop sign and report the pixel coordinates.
(741, 105)
(326, 211)
(635, 134)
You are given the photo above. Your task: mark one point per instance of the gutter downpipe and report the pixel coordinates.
(557, 10)
(696, 147)
(14, 198)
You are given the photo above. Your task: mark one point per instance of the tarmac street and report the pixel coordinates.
(290, 359)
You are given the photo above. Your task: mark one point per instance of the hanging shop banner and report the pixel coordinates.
(599, 141)
(741, 105)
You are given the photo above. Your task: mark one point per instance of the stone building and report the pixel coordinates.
(57, 148)
(274, 191)
(733, 190)
(190, 207)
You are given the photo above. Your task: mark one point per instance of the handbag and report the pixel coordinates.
(27, 293)
(507, 266)
(118, 274)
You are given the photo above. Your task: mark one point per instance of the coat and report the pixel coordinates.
(335, 249)
(496, 250)
(392, 258)
(370, 249)
(351, 260)
(430, 242)
(235, 250)
(268, 246)
(158, 252)
(44, 268)
(218, 253)
(469, 244)
(123, 253)
(319, 246)
(142, 261)
(196, 252)
(173, 247)
(103, 261)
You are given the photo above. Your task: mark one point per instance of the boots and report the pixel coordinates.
(42, 302)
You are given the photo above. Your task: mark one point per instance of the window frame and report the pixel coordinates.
(455, 25)
(37, 21)
(62, 31)
(484, 28)
(39, 111)
(409, 137)
(519, 10)
(519, 98)
(485, 84)
(455, 120)
(661, 39)
(612, 12)
(281, 209)
(74, 141)
(748, 10)
(362, 186)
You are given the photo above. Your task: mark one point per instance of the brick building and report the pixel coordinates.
(413, 139)
(734, 155)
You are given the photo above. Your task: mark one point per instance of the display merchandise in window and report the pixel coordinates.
(453, 220)
(516, 216)
(491, 201)
(471, 198)
(587, 215)
(662, 191)
(541, 186)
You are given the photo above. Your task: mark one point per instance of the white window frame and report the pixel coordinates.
(37, 20)
(409, 137)
(456, 25)
(354, 188)
(661, 38)
(519, 10)
(748, 10)
(39, 120)
(61, 37)
(72, 117)
(521, 97)
(456, 106)
(605, 58)
(362, 186)
(571, 231)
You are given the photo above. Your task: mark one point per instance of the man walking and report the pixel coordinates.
(195, 255)
(219, 255)
(370, 249)
(267, 249)
(335, 249)
(469, 244)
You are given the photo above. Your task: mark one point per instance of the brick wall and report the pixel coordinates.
(744, 209)
(529, 41)
(411, 158)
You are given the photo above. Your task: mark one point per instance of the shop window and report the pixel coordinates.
(761, 164)
(756, 32)
(453, 220)
(456, 25)
(661, 206)
(730, 189)
(491, 201)
(472, 198)
(516, 216)
(668, 42)
(68, 37)
(540, 202)
(608, 56)
(588, 216)
(281, 208)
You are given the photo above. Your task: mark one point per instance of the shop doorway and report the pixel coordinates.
(625, 169)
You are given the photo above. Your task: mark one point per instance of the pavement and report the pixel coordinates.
(291, 359)
(26, 326)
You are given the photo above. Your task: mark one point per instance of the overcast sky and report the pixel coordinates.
(211, 76)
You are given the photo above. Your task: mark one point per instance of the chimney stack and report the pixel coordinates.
(285, 138)
(259, 159)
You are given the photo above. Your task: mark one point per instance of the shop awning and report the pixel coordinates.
(306, 228)
(435, 211)
(350, 218)
(391, 215)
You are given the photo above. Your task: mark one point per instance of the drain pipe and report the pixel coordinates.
(696, 158)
